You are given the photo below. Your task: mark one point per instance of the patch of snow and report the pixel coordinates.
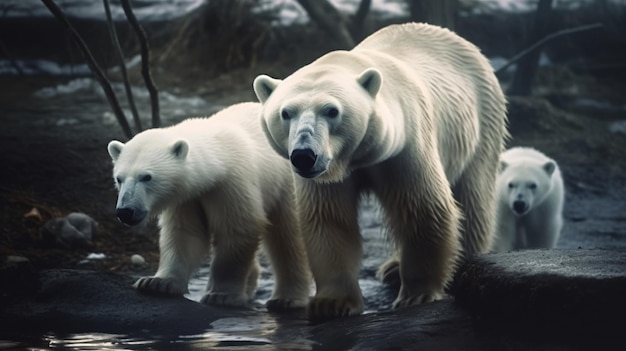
(144, 10)
(29, 67)
(592, 104)
(71, 87)
(618, 127)
(499, 61)
(96, 256)
(66, 122)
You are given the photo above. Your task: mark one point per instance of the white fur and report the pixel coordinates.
(413, 114)
(534, 181)
(214, 183)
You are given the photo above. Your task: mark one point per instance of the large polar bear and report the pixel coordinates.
(215, 184)
(530, 201)
(415, 115)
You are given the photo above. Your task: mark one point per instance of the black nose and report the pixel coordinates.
(303, 159)
(126, 215)
(519, 206)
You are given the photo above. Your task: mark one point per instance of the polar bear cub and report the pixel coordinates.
(214, 183)
(530, 201)
(414, 115)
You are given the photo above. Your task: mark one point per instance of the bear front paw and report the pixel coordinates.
(321, 309)
(225, 299)
(284, 305)
(415, 300)
(168, 286)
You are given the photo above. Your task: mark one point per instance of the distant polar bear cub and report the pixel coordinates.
(215, 184)
(413, 114)
(530, 201)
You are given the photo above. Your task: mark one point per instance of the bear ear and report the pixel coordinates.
(549, 167)
(115, 149)
(371, 80)
(180, 149)
(264, 86)
(503, 166)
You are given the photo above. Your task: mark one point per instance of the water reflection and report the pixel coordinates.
(262, 332)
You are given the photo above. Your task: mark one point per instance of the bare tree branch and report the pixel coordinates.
(329, 19)
(145, 63)
(544, 41)
(102, 79)
(361, 12)
(122, 66)
(359, 18)
(527, 66)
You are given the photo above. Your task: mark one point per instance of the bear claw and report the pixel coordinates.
(283, 305)
(224, 299)
(322, 309)
(415, 300)
(159, 285)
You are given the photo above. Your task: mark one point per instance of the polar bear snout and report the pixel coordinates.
(520, 207)
(303, 160)
(308, 164)
(130, 216)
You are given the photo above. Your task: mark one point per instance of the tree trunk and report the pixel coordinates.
(527, 67)
(358, 20)
(438, 12)
(325, 15)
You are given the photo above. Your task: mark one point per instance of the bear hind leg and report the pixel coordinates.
(234, 270)
(475, 192)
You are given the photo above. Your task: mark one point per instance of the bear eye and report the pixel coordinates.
(284, 114)
(118, 180)
(145, 178)
(532, 186)
(511, 185)
(331, 112)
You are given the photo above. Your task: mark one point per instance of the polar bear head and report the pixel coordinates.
(524, 185)
(320, 119)
(146, 172)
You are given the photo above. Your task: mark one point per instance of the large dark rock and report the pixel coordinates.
(86, 301)
(574, 293)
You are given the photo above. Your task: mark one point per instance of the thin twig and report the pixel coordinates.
(102, 79)
(545, 40)
(145, 62)
(122, 65)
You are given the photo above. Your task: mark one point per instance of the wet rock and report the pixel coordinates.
(75, 230)
(439, 325)
(550, 292)
(87, 301)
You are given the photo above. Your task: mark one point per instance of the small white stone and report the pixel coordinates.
(96, 256)
(16, 259)
(137, 260)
